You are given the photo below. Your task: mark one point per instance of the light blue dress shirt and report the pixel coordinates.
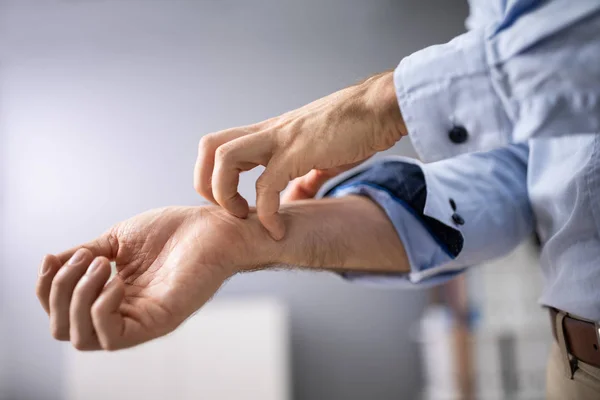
(524, 82)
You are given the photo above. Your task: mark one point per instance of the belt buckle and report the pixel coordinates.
(597, 327)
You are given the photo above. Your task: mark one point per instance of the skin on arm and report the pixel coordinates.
(350, 234)
(171, 261)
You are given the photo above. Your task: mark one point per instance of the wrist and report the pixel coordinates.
(380, 97)
(245, 242)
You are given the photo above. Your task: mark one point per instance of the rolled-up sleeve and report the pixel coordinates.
(534, 74)
(449, 214)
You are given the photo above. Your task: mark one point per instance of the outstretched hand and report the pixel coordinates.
(169, 263)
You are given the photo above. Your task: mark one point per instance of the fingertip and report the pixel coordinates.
(84, 253)
(275, 226)
(105, 245)
(114, 289)
(243, 208)
(100, 267)
(277, 235)
(204, 190)
(104, 259)
(50, 265)
(49, 262)
(113, 284)
(208, 196)
(110, 296)
(108, 322)
(237, 206)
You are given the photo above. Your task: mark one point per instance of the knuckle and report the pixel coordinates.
(224, 152)
(261, 189)
(79, 343)
(205, 143)
(271, 182)
(46, 262)
(61, 281)
(39, 292)
(263, 182)
(80, 290)
(87, 253)
(97, 310)
(110, 345)
(59, 333)
(112, 240)
(265, 216)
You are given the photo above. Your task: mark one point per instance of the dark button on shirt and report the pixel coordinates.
(458, 220)
(452, 204)
(406, 182)
(458, 134)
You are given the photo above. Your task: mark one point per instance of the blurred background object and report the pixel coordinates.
(512, 339)
(233, 349)
(484, 336)
(102, 104)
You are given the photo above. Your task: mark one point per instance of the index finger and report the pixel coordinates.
(205, 162)
(232, 158)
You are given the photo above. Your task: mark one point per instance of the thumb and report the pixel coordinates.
(307, 186)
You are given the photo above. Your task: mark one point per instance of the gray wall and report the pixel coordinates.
(102, 105)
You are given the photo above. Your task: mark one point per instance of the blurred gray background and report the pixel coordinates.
(102, 104)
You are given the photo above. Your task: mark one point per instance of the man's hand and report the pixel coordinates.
(171, 261)
(339, 130)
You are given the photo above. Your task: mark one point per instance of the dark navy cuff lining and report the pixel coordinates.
(451, 251)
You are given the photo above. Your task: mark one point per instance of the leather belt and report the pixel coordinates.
(582, 337)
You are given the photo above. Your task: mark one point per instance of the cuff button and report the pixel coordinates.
(458, 220)
(458, 134)
(452, 204)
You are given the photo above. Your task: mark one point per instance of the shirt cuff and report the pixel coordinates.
(397, 187)
(443, 92)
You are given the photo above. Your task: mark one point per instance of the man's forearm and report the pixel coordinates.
(345, 234)
(171, 261)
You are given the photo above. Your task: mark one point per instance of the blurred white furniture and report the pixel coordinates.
(230, 350)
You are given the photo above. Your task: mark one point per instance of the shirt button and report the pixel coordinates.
(452, 204)
(458, 134)
(458, 220)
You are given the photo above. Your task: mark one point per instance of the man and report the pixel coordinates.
(509, 112)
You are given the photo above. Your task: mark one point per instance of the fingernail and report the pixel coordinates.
(77, 257)
(93, 267)
(44, 267)
(112, 283)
